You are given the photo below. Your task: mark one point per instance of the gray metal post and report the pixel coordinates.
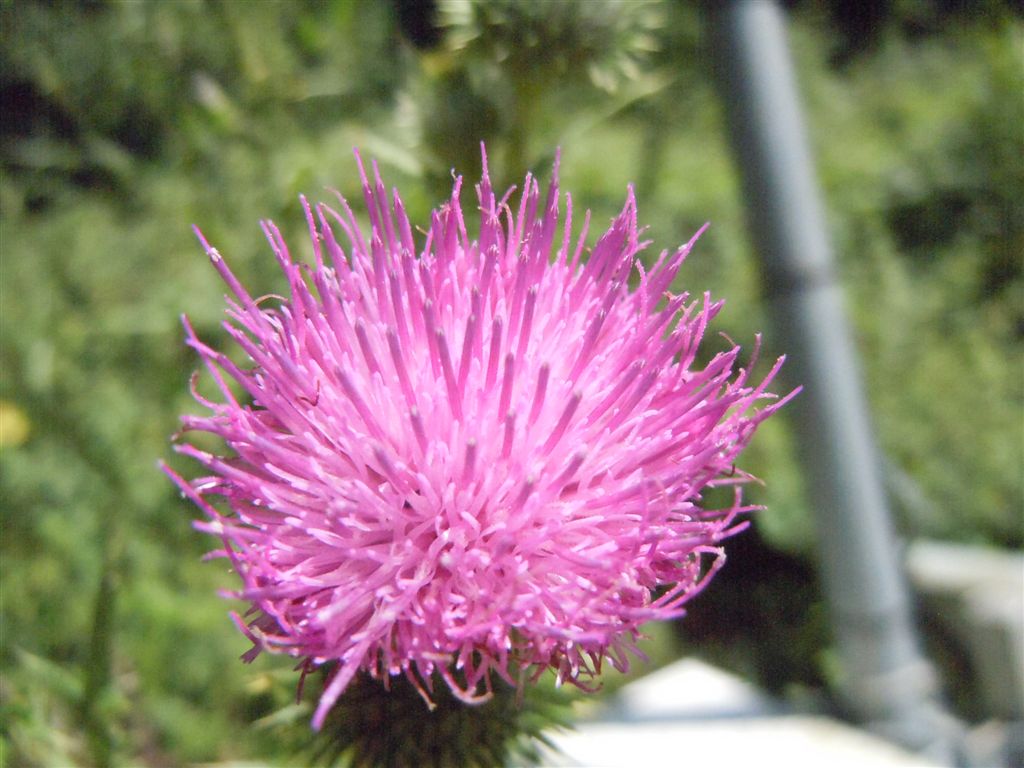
(887, 682)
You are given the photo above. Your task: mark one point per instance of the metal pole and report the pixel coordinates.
(886, 681)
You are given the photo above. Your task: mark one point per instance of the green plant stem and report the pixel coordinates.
(98, 665)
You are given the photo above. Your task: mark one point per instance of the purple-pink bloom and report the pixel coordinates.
(479, 454)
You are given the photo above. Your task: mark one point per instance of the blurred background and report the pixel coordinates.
(124, 123)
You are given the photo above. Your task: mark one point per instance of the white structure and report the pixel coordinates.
(692, 714)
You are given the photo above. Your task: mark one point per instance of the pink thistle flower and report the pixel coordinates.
(478, 460)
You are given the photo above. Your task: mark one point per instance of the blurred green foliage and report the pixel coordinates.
(124, 123)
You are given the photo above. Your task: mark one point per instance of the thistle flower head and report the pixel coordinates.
(479, 454)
